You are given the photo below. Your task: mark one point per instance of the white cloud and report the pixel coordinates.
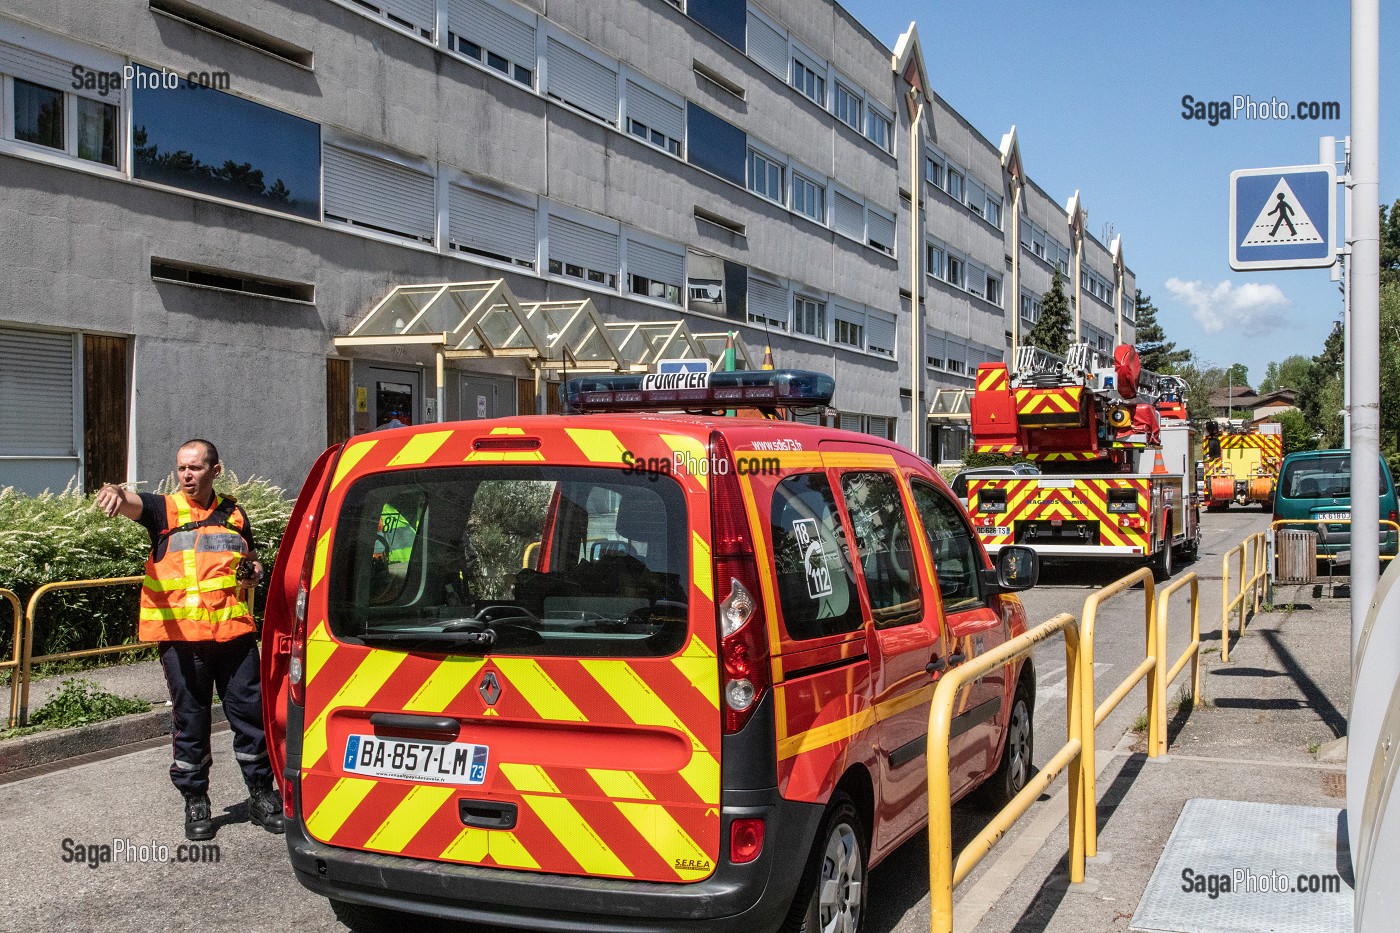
(1248, 310)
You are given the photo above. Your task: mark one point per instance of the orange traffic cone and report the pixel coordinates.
(1157, 465)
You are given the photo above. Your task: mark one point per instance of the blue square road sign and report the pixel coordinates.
(1283, 218)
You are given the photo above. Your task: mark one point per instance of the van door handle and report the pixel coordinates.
(487, 814)
(406, 722)
(937, 664)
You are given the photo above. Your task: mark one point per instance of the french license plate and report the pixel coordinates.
(407, 760)
(993, 530)
(1333, 516)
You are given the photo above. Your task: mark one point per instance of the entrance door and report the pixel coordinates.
(383, 396)
(480, 397)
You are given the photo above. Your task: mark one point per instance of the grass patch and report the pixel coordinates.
(1314, 748)
(78, 703)
(1140, 724)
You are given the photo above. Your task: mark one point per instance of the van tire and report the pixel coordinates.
(841, 852)
(360, 918)
(1017, 754)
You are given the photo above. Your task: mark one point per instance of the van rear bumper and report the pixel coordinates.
(754, 896)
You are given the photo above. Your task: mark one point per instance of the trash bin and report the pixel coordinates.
(1296, 556)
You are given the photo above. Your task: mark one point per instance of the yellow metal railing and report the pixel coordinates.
(16, 652)
(1157, 738)
(944, 871)
(1318, 555)
(1147, 668)
(27, 659)
(1251, 583)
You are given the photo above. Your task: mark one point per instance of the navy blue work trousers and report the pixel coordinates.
(193, 669)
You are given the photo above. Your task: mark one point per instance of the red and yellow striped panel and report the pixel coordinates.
(1073, 456)
(992, 377)
(612, 765)
(1086, 500)
(1058, 400)
(996, 448)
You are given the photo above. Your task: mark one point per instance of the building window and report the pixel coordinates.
(716, 145)
(809, 317)
(848, 106)
(724, 18)
(582, 252)
(849, 333)
(933, 172)
(878, 129)
(716, 286)
(955, 184)
(765, 176)
(808, 198)
(654, 119)
(214, 143)
(493, 227)
(993, 211)
(935, 262)
(655, 271)
(806, 80)
(494, 60)
(38, 115)
(380, 194)
(956, 271)
(993, 293)
(582, 81)
(655, 137)
(41, 119)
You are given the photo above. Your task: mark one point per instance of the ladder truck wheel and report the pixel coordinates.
(1162, 565)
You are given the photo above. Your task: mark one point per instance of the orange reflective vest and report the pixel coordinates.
(191, 592)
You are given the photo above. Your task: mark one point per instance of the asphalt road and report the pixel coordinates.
(52, 822)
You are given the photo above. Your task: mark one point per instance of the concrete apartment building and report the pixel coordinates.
(256, 221)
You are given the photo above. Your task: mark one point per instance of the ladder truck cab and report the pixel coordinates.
(1115, 449)
(1241, 465)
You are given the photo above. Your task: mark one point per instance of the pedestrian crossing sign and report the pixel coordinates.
(1283, 218)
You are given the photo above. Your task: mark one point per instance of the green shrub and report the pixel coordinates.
(64, 536)
(79, 702)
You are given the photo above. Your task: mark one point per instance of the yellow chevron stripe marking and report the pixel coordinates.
(471, 845)
(597, 445)
(507, 849)
(332, 812)
(539, 690)
(351, 456)
(507, 430)
(666, 836)
(318, 561)
(693, 449)
(474, 845)
(357, 691)
(319, 646)
(701, 567)
(504, 456)
(849, 461)
(528, 778)
(647, 709)
(411, 815)
(621, 785)
(446, 681)
(574, 834)
(419, 448)
(697, 663)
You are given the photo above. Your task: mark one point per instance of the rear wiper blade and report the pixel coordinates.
(481, 641)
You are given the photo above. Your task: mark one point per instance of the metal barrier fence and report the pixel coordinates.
(1147, 668)
(1253, 586)
(944, 872)
(27, 659)
(16, 646)
(1318, 522)
(1164, 677)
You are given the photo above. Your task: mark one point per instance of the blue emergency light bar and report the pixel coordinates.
(702, 391)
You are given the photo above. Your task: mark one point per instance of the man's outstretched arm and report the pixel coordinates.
(116, 500)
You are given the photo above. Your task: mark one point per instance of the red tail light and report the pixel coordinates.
(296, 664)
(743, 629)
(745, 839)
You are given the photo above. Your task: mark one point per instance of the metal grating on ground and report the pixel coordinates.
(1251, 848)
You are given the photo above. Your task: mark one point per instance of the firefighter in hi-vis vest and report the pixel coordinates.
(196, 602)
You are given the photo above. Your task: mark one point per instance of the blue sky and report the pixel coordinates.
(1095, 88)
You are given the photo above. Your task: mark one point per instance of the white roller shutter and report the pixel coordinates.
(881, 230)
(36, 394)
(488, 224)
(935, 348)
(848, 421)
(957, 351)
(55, 73)
(380, 194)
(849, 218)
(421, 13)
(768, 46)
(579, 80)
(879, 425)
(880, 332)
(655, 111)
(582, 246)
(806, 417)
(493, 29)
(768, 300)
(659, 265)
(853, 317)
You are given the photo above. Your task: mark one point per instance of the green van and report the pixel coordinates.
(1316, 485)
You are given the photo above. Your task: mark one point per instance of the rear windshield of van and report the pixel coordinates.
(1319, 478)
(524, 560)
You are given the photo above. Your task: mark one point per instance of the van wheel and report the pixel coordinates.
(360, 918)
(831, 897)
(1016, 754)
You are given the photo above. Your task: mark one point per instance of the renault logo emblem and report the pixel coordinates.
(490, 688)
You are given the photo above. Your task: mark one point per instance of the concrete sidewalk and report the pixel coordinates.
(1261, 735)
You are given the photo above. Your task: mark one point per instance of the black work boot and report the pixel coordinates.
(199, 825)
(265, 808)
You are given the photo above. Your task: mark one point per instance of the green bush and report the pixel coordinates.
(79, 702)
(972, 460)
(64, 536)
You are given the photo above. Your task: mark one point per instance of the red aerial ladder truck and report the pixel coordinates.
(1116, 451)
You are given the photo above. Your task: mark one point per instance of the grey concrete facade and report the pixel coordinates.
(250, 370)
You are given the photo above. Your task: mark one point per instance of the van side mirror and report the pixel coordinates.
(1018, 568)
